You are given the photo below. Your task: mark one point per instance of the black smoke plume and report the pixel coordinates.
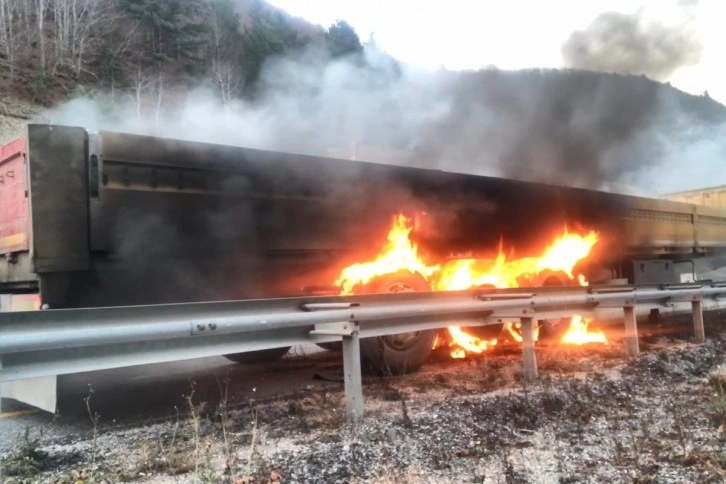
(626, 44)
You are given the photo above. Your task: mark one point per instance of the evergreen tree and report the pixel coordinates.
(175, 31)
(269, 34)
(342, 39)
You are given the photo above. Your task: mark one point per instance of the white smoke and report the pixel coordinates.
(351, 108)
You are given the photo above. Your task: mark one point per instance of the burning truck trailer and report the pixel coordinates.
(114, 219)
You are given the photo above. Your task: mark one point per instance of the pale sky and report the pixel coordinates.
(514, 34)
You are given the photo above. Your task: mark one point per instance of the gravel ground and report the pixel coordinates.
(13, 118)
(592, 417)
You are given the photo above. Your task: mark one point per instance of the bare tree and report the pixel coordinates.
(61, 28)
(24, 10)
(78, 23)
(7, 33)
(90, 20)
(227, 80)
(224, 46)
(157, 96)
(41, 7)
(139, 82)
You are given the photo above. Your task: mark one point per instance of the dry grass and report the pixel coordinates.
(717, 405)
(387, 474)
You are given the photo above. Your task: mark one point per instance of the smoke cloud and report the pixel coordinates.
(626, 44)
(566, 127)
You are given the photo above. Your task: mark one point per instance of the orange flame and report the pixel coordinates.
(579, 334)
(464, 342)
(565, 252)
(400, 253)
(461, 274)
(515, 331)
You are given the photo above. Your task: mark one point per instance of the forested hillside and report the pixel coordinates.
(153, 49)
(243, 72)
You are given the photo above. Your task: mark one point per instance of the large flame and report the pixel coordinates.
(400, 253)
(565, 252)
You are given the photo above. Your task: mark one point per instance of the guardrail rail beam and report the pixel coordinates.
(43, 344)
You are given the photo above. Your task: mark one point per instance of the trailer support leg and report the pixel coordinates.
(353, 378)
(529, 359)
(698, 331)
(631, 332)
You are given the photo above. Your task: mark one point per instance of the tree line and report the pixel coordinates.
(151, 49)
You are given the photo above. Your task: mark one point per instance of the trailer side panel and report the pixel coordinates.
(59, 198)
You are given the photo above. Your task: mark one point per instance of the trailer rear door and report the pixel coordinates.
(14, 211)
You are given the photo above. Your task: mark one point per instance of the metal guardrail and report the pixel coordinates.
(64, 341)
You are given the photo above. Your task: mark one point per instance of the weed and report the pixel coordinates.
(253, 443)
(223, 414)
(679, 425)
(208, 474)
(404, 412)
(195, 423)
(717, 404)
(94, 423)
(25, 459)
(172, 444)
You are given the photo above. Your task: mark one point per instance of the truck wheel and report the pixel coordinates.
(553, 329)
(488, 332)
(550, 329)
(262, 356)
(397, 354)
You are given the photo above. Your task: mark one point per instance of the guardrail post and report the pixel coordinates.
(353, 378)
(529, 359)
(698, 331)
(631, 331)
(1, 400)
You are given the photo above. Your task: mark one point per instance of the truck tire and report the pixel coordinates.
(553, 329)
(400, 353)
(488, 332)
(262, 356)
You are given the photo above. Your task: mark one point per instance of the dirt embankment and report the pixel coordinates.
(13, 118)
(592, 417)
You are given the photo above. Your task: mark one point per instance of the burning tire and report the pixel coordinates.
(488, 332)
(400, 353)
(553, 329)
(262, 356)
